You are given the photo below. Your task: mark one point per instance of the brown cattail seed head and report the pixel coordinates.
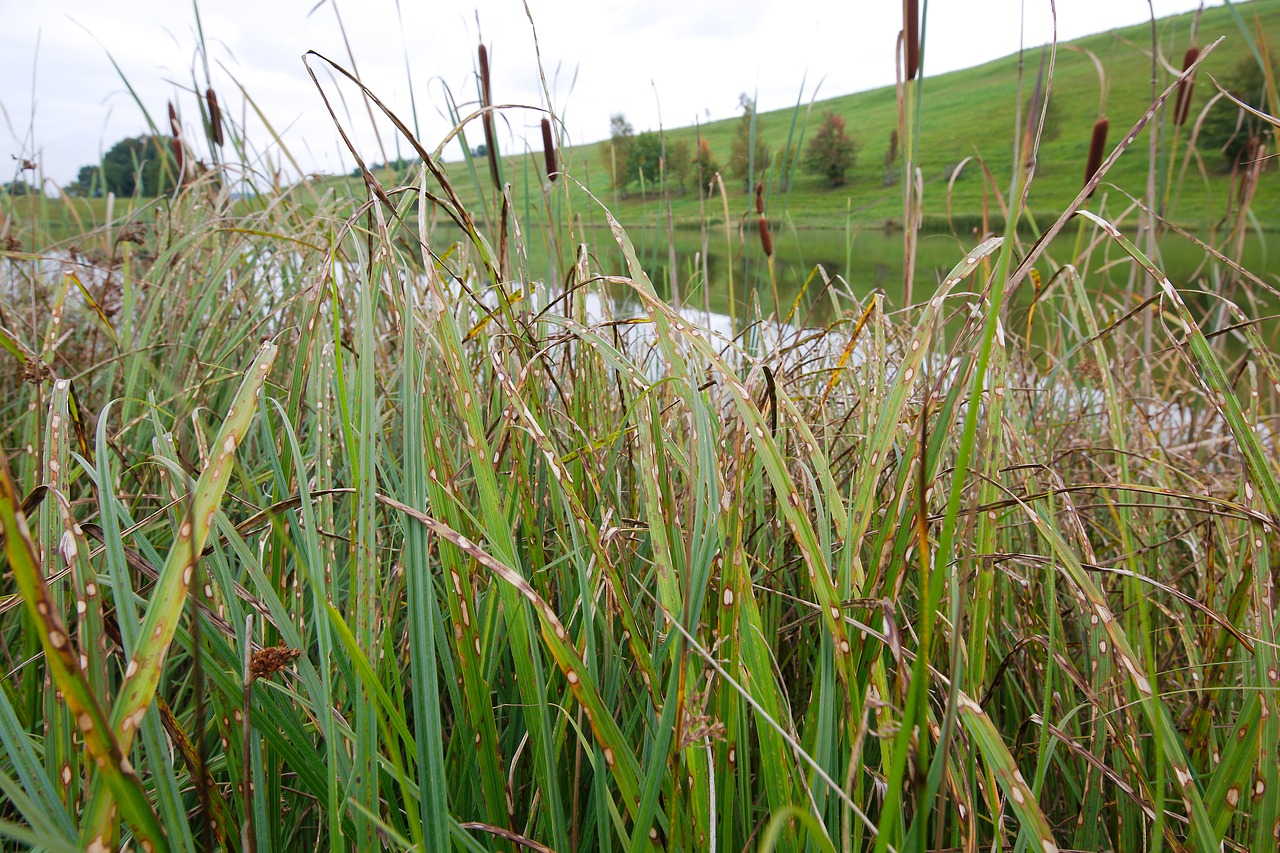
(1097, 147)
(766, 239)
(215, 118)
(760, 198)
(485, 94)
(1184, 87)
(1250, 151)
(911, 36)
(486, 101)
(175, 143)
(549, 149)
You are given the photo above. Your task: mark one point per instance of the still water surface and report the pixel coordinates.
(871, 260)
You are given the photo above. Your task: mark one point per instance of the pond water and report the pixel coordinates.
(868, 260)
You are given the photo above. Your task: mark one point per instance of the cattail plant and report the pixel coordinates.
(486, 103)
(1248, 167)
(549, 150)
(1097, 147)
(1185, 86)
(215, 117)
(1033, 116)
(911, 36)
(766, 239)
(176, 142)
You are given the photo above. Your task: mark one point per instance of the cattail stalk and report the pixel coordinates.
(176, 142)
(486, 102)
(911, 36)
(760, 198)
(766, 239)
(1185, 87)
(549, 149)
(215, 118)
(1097, 147)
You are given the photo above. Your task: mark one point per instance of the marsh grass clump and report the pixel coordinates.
(403, 547)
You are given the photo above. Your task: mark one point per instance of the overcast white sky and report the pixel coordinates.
(64, 103)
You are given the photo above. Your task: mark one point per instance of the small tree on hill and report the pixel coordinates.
(746, 163)
(139, 165)
(88, 183)
(646, 160)
(831, 152)
(705, 162)
(617, 154)
(679, 162)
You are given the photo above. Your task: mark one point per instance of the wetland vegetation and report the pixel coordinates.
(404, 512)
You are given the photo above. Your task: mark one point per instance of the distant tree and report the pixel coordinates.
(137, 165)
(88, 183)
(679, 163)
(705, 163)
(744, 159)
(19, 187)
(831, 152)
(646, 159)
(480, 151)
(617, 154)
(1227, 128)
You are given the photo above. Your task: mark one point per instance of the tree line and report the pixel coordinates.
(633, 159)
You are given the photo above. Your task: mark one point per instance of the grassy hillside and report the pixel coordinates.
(968, 113)
(971, 113)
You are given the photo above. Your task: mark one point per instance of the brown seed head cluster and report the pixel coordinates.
(1097, 147)
(176, 129)
(486, 101)
(911, 36)
(766, 239)
(215, 118)
(549, 149)
(1184, 87)
(267, 662)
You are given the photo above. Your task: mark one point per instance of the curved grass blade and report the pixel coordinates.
(165, 608)
(64, 669)
(997, 756)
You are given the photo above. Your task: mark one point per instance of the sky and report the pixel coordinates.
(670, 61)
